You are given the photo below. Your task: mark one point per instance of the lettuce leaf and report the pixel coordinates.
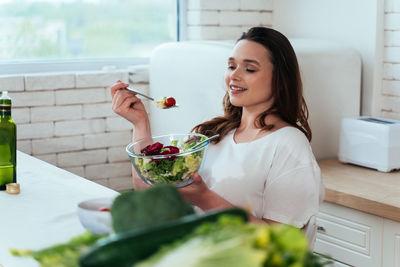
(230, 242)
(62, 255)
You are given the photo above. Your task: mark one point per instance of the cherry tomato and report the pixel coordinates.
(170, 102)
(104, 209)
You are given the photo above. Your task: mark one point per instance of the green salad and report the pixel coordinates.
(175, 169)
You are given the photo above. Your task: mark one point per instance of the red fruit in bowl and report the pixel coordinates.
(153, 149)
(170, 150)
(170, 102)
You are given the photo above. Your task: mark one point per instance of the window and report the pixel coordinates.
(83, 31)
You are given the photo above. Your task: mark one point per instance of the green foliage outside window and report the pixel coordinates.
(84, 28)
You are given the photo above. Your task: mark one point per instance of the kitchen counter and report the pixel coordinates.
(44, 213)
(363, 189)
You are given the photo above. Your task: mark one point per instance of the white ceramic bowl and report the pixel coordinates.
(94, 220)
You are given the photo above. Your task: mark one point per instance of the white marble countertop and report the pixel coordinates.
(44, 213)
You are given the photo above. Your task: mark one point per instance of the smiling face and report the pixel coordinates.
(248, 77)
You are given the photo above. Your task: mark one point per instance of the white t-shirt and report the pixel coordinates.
(277, 175)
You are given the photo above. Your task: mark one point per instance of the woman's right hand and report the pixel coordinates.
(126, 104)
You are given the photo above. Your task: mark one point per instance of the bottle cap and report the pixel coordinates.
(4, 95)
(12, 188)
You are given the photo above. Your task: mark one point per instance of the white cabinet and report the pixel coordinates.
(391, 243)
(349, 236)
(355, 238)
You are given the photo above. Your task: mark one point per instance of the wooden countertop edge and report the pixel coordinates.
(362, 204)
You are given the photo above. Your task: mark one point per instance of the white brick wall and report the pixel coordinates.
(116, 154)
(57, 144)
(50, 158)
(35, 130)
(97, 110)
(392, 38)
(391, 87)
(63, 128)
(77, 170)
(99, 79)
(108, 170)
(12, 83)
(46, 81)
(213, 4)
(21, 115)
(390, 100)
(121, 183)
(33, 99)
(117, 124)
(392, 54)
(66, 119)
(73, 159)
(25, 146)
(100, 140)
(243, 18)
(56, 113)
(225, 20)
(256, 5)
(205, 17)
(392, 6)
(92, 95)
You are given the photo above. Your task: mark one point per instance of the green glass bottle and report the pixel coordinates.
(8, 143)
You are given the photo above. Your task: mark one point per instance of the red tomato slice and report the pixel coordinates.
(104, 209)
(170, 101)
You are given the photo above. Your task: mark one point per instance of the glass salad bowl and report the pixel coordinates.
(168, 158)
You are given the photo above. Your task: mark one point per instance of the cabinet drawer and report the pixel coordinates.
(349, 236)
(391, 243)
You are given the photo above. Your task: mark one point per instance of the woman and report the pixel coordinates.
(263, 160)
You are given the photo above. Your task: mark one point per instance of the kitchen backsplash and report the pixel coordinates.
(66, 119)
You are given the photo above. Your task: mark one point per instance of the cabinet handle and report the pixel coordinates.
(321, 229)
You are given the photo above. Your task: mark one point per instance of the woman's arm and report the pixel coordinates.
(127, 105)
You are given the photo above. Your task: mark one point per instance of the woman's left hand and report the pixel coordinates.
(196, 193)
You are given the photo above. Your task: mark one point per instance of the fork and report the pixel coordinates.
(139, 93)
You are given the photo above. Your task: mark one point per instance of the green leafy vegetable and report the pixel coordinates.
(63, 255)
(156, 205)
(211, 239)
(125, 249)
(230, 242)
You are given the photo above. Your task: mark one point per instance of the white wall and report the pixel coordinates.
(356, 23)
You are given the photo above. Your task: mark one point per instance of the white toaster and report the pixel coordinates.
(370, 142)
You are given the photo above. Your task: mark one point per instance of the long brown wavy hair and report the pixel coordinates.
(287, 90)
